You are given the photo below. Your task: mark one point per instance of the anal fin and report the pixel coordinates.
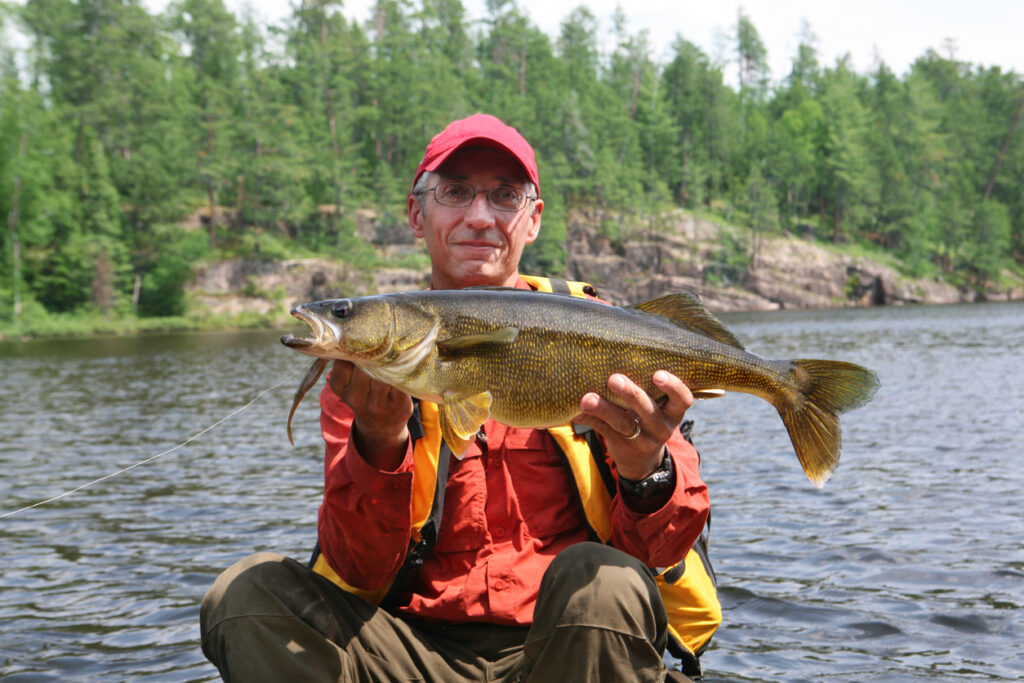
(708, 393)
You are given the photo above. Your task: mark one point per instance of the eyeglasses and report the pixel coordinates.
(461, 195)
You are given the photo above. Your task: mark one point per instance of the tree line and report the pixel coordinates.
(117, 123)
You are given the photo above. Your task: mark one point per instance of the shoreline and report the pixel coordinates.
(628, 263)
(130, 327)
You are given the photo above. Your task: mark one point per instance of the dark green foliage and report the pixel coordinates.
(117, 125)
(986, 252)
(61, 279)
(163, 286)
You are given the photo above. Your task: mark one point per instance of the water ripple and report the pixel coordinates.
(907, 566)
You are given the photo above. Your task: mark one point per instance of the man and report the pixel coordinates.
(502, 581)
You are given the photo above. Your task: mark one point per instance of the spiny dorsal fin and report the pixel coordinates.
(685, 310)
(461, 418)
(504, 335)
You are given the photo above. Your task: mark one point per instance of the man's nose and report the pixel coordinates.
(479, 213)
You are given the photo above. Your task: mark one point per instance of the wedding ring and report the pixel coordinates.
(637, 432)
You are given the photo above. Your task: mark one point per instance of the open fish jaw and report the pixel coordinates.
(324, 334)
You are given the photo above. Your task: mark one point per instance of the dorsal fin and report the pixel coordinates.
(685, 310)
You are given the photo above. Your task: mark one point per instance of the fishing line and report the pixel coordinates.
(152, 457)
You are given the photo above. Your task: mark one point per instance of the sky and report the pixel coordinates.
(983, 32)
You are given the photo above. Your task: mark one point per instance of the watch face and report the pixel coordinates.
(652, 485)
(656, 484)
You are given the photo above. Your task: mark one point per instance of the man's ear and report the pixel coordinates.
(534, 229)
(415, 215)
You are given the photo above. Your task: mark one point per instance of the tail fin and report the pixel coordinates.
(827, 388)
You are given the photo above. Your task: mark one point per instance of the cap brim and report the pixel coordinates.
(440, 158)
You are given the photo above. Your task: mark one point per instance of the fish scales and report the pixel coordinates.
(590, 343)
(527, 358)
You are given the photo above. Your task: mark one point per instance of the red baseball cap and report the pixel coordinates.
(479, 129)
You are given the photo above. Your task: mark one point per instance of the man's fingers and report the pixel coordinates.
(647, 412)
(382, 395)
(636, 399)
(606, 416)
(677, 394)
(341, 375)
(656, 418)
(636, 427)
(619, 430)
(355, 387)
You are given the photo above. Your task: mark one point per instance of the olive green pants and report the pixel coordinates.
(599, 617)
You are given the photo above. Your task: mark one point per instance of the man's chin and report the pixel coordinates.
(486, 275)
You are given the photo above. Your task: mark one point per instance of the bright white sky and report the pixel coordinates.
(984, 32)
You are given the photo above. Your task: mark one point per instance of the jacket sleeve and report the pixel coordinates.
(364, 522)
(663, 537)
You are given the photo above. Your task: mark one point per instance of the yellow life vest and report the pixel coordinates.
(687, 588)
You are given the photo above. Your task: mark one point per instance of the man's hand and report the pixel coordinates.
(651, 421)
(382, 413)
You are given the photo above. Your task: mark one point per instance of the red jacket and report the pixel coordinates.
(509, 508)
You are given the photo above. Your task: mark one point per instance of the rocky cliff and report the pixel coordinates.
(269, 288)
(685, 252)
(676, 252)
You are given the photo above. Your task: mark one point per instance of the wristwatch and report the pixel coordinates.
(657, 483)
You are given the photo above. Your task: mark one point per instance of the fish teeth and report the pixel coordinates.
(323, 333)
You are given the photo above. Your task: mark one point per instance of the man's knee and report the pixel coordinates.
(599, 616)
(590, 557)
(595, 566)
(241, 588)
(590, 581)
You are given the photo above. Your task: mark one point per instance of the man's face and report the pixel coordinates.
(475, 245)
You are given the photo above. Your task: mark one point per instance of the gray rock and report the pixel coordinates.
(628, 261)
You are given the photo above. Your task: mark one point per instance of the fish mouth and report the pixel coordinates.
(323, 332)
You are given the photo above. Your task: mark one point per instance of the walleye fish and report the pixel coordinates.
(526, 359)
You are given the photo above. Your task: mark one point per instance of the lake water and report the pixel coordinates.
(908, 565)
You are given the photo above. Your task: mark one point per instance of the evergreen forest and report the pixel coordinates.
(118, 123)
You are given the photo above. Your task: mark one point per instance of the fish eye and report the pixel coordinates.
(342, 308)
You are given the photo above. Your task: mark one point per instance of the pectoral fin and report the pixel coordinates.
(708, 393)
(469, 342)
(312, 375)
(461, 418)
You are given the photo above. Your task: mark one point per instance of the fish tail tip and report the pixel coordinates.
(816, 439)
(818, 479)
